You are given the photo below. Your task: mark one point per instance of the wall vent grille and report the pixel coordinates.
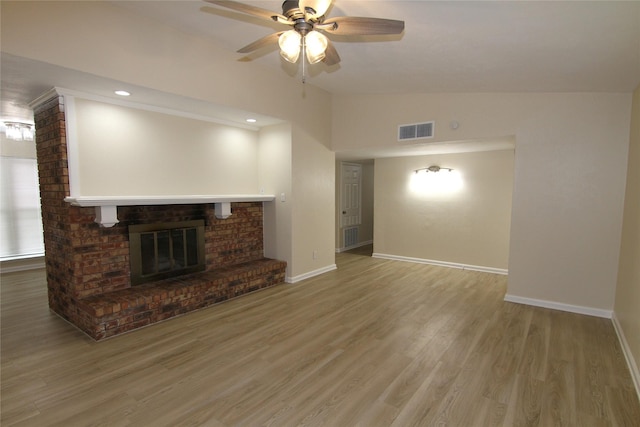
(350, 236)
(415, 131)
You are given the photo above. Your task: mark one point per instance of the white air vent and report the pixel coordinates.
(415, 131)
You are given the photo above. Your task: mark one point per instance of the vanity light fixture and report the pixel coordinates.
(434, 169)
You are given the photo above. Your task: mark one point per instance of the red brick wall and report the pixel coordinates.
(84, 259)
(51, 146)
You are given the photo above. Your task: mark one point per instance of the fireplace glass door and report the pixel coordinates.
(165, 250)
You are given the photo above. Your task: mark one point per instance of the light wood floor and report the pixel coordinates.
(375, 343)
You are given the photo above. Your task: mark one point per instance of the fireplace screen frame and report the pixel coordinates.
(140, 271)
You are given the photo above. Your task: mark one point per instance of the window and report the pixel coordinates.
(20, 217)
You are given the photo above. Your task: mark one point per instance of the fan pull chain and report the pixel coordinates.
(304, 77)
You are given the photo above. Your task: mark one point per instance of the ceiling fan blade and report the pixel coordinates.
(260, 43)
(250, 10)
(331, 54)
(356, 26)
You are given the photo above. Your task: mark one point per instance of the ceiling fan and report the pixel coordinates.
(308, 22)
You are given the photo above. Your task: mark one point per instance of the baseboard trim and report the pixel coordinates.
(357, 245)
(22, 264)
(443, 263)
(310, 274)
(626, 350)
(578, 309)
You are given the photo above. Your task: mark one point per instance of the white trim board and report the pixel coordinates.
(310, 274)
(626, 350)
(589, 311)
(443, 263)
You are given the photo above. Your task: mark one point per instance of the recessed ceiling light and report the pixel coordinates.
(251, 120)
(122, 93)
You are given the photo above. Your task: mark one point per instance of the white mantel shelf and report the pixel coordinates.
(107, 206)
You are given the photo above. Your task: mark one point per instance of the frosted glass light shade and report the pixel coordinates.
(320, 6)
(315, 44)
(289, 42)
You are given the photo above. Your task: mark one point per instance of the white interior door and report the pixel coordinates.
(351, 194)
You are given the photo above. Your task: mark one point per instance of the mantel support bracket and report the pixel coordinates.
(107, 216)
(223, 210)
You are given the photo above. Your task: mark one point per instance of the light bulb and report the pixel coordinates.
(13, 132)
(289, 42)
(27, 133)
(316, 44)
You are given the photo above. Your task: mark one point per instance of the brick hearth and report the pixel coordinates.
(88, 272)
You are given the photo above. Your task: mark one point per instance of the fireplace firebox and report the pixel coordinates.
(162, 250)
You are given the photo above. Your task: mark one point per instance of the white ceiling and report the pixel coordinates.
(447, 46)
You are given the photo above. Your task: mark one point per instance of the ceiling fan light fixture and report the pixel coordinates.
(289, 42)
(304, 18)
(315, 46)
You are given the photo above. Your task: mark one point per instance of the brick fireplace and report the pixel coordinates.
(88, 266)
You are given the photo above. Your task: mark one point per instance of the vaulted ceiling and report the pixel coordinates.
(447, 46)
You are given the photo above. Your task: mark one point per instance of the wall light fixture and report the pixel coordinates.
(435, 181)
(434, 169)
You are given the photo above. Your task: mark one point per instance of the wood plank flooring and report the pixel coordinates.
(374, 343)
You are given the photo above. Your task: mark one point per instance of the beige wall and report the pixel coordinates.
(313, 186)
(125, 151)
(627, 302)
(466, 224)
(568, 197)
(274, 154)
(570, 162)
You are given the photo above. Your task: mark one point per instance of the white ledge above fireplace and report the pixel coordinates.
(107, 206)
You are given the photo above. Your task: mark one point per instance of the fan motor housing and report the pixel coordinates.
(291, 9)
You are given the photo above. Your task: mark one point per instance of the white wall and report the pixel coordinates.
(570, 165)
(464, 222)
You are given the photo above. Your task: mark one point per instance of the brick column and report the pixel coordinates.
(51, 146)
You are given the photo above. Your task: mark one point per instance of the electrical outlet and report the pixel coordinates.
(315, 255)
